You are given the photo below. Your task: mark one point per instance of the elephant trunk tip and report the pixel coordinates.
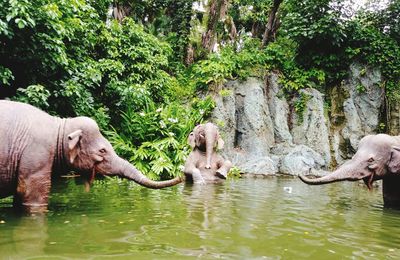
(130, 172)
(304, 178)
(164, 184)
(310, 181)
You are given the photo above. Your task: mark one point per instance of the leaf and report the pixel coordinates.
(20, 23)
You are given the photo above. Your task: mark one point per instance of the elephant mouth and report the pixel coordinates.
(92, 175)
(369, 180)
(88, 178)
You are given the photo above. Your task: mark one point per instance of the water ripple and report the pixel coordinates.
(275, 218)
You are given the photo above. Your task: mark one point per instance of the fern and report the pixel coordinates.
(154, 139)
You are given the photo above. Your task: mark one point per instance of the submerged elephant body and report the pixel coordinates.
(199, 173)
(204, 164)
(377, 157)
(34, 144)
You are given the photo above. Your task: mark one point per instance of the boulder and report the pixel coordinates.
(256, 164)
(279, 109)
(243, 117)
(224, 115)
(303, 160)
(310, 125)
(362, 105)
(254, 127)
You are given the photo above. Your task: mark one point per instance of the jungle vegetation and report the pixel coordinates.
(139, 67)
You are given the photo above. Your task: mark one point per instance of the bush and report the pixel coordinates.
(74, 63)
(155, 138)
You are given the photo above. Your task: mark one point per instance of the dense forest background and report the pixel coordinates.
(137, 67)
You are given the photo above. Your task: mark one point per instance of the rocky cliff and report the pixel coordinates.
(268, 132)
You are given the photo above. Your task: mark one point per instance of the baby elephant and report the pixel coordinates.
(204, 165)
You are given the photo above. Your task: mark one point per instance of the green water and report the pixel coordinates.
(274, 218)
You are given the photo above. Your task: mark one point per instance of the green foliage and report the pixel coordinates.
(313, 20)
(36, 95)
(6, 76)
(229, 64)
(382, 128)
(319, 30)
(82, 62)
(253, 61)
(166, 19)
(300, 105)
(234, 173)
(250, 15)
(76, 64)
(386, 20)
(225, 92)
(375, 48)
(250, 60)
(62, 56)
(360, 88)
(155, 138)
(213, 71)
(181, 11)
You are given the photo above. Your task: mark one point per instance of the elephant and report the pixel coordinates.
(35, 145)
(377, 157)
(204, 164)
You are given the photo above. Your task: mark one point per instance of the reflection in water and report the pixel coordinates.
(241, 219)
(23, 236)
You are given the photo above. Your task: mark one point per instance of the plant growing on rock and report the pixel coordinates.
(300, 105)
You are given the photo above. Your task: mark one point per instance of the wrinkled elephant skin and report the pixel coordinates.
(377, 157)
(34, 144)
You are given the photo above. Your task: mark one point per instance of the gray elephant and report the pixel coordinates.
(33, 145)
(377, 157)
(204, 164)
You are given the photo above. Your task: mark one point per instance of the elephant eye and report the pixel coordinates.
(371, 159)
(102, 150)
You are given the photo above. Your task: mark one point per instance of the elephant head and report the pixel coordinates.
(375, 158)
(87, 151)
(205, 137)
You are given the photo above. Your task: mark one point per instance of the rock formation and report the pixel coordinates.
(266, 132)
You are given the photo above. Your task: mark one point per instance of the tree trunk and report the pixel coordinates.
(120, 11)
(272, 25)
(189, 59)
(256, 30)
(181, 12)
(217, 12)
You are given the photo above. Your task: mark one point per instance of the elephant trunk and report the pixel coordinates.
(210, 132)
(343, 173)
(128, 171)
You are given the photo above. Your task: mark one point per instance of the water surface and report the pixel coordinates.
(274, 218)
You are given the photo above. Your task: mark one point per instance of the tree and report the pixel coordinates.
(319, 30)
(181, 12)
(217, 12)
(387, 20)
(273, 23)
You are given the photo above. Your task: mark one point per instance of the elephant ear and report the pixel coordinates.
(394, 161)
(192, 140)
(73, 144)
(220, 143)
